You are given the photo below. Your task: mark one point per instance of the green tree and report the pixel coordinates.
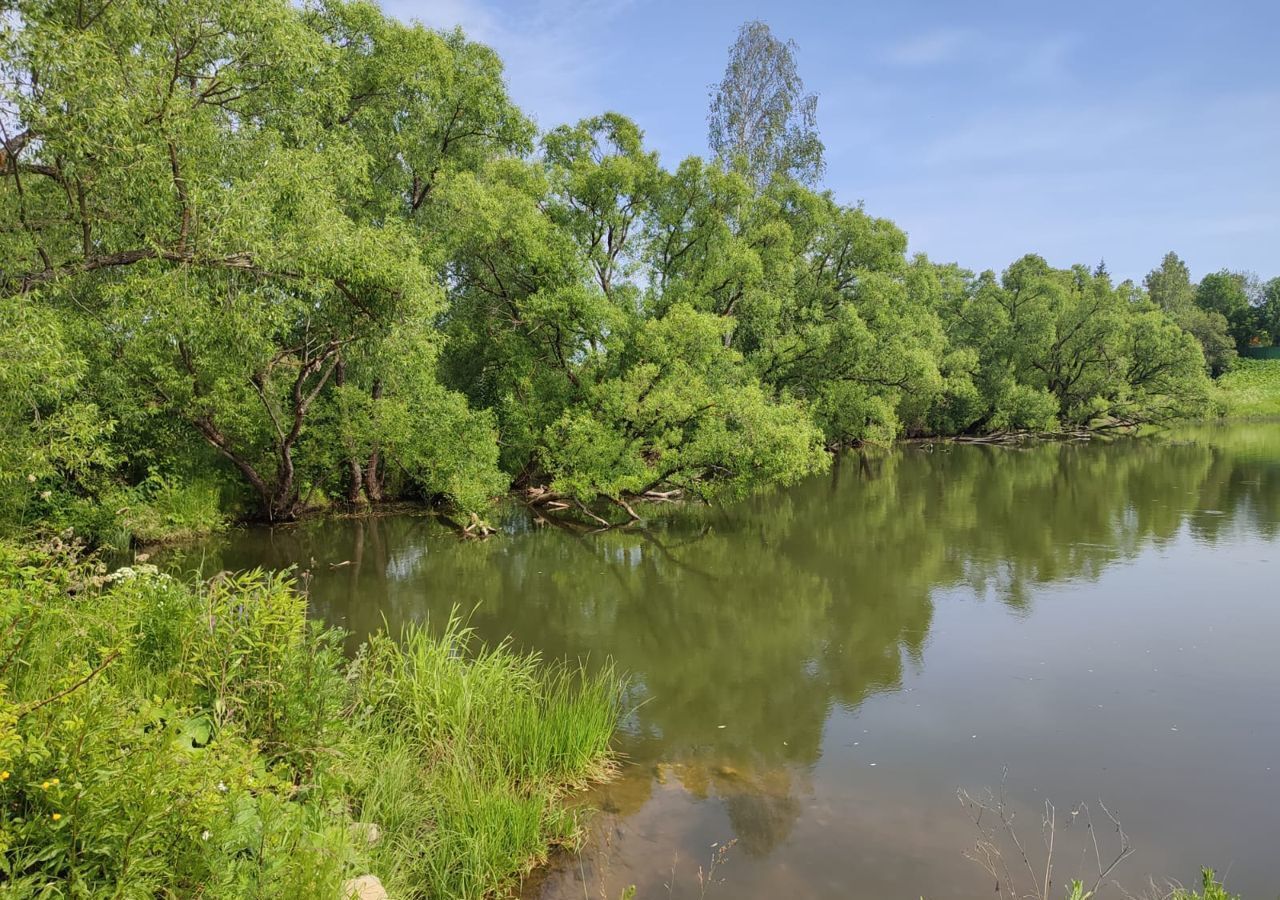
(1226, 293)
(593, 310)
(1170, 287)
(1066, 347)
(1270, 310)
(760, 118)
(194, 189)
(50, 437)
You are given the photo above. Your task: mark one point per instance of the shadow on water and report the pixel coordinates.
(757, 636)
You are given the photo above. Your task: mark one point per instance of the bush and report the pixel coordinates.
(160, 738)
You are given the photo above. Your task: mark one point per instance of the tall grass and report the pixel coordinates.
(160, 738)
(497, 735)
(1251, 390)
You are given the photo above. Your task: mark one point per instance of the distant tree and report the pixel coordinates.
(1270, 310)
(1228, 293)
(760, 119)
(1170, 287)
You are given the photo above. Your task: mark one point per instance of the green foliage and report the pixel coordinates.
(1211, 889)
(1171, 289)
(1066, 348)
(1269, 310)
(1251, 390)
(1227, 294)
(681, 410)
(48, 437)
(760, 119)
(289, 255)
(241, 217)
(162, 510)
(159, 738)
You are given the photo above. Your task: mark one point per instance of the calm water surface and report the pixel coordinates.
(817, 670)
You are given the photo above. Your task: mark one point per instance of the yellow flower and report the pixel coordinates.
(45, 786)
(54, 781)
(56, 816)
(4, 776)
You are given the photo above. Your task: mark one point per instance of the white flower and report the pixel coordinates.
(204, 835)
(222, 786)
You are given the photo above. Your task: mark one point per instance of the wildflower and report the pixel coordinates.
(4, 776)
(44, 786)
(31, 479)
(204, 835)
(54, 781)
(222, 786)
(56, 816)
(45, 495)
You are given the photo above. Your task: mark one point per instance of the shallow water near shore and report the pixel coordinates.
(815, 671)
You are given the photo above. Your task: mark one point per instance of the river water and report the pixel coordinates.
(816, 671)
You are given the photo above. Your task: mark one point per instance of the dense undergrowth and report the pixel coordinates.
(1251, 390)
(160, 738)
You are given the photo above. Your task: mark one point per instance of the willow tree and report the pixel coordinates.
(1064, 347)
(611, 375)
(193, 186)
(761, 120)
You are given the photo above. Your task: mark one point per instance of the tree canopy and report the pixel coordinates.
(318, 255)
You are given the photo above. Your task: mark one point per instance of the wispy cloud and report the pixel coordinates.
(933, 47)
(1043, 60)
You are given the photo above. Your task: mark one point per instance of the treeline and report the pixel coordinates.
(1228, 312)
(305, 254)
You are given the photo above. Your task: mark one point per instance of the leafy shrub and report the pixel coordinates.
(159, 738)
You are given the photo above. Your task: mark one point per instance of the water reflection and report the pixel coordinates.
(755, 633)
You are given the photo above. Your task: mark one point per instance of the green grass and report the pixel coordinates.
(160, 738)
(1211, 887)
(1251, 390)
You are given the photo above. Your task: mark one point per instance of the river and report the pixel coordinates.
(815, 671)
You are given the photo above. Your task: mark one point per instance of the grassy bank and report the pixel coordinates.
(159, 738)
(1251, 390)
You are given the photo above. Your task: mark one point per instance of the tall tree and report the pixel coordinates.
(1270, 310)
(761, 119)
(192, 187)
(1170, 288)
(1228, 293)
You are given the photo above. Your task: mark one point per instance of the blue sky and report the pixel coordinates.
(985, 128)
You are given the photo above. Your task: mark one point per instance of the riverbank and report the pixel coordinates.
(160, 737)
(1251, 390)
(160, 513)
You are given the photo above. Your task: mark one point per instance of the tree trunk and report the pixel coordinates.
(373, 473)
(355, 477)
(284, 506)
